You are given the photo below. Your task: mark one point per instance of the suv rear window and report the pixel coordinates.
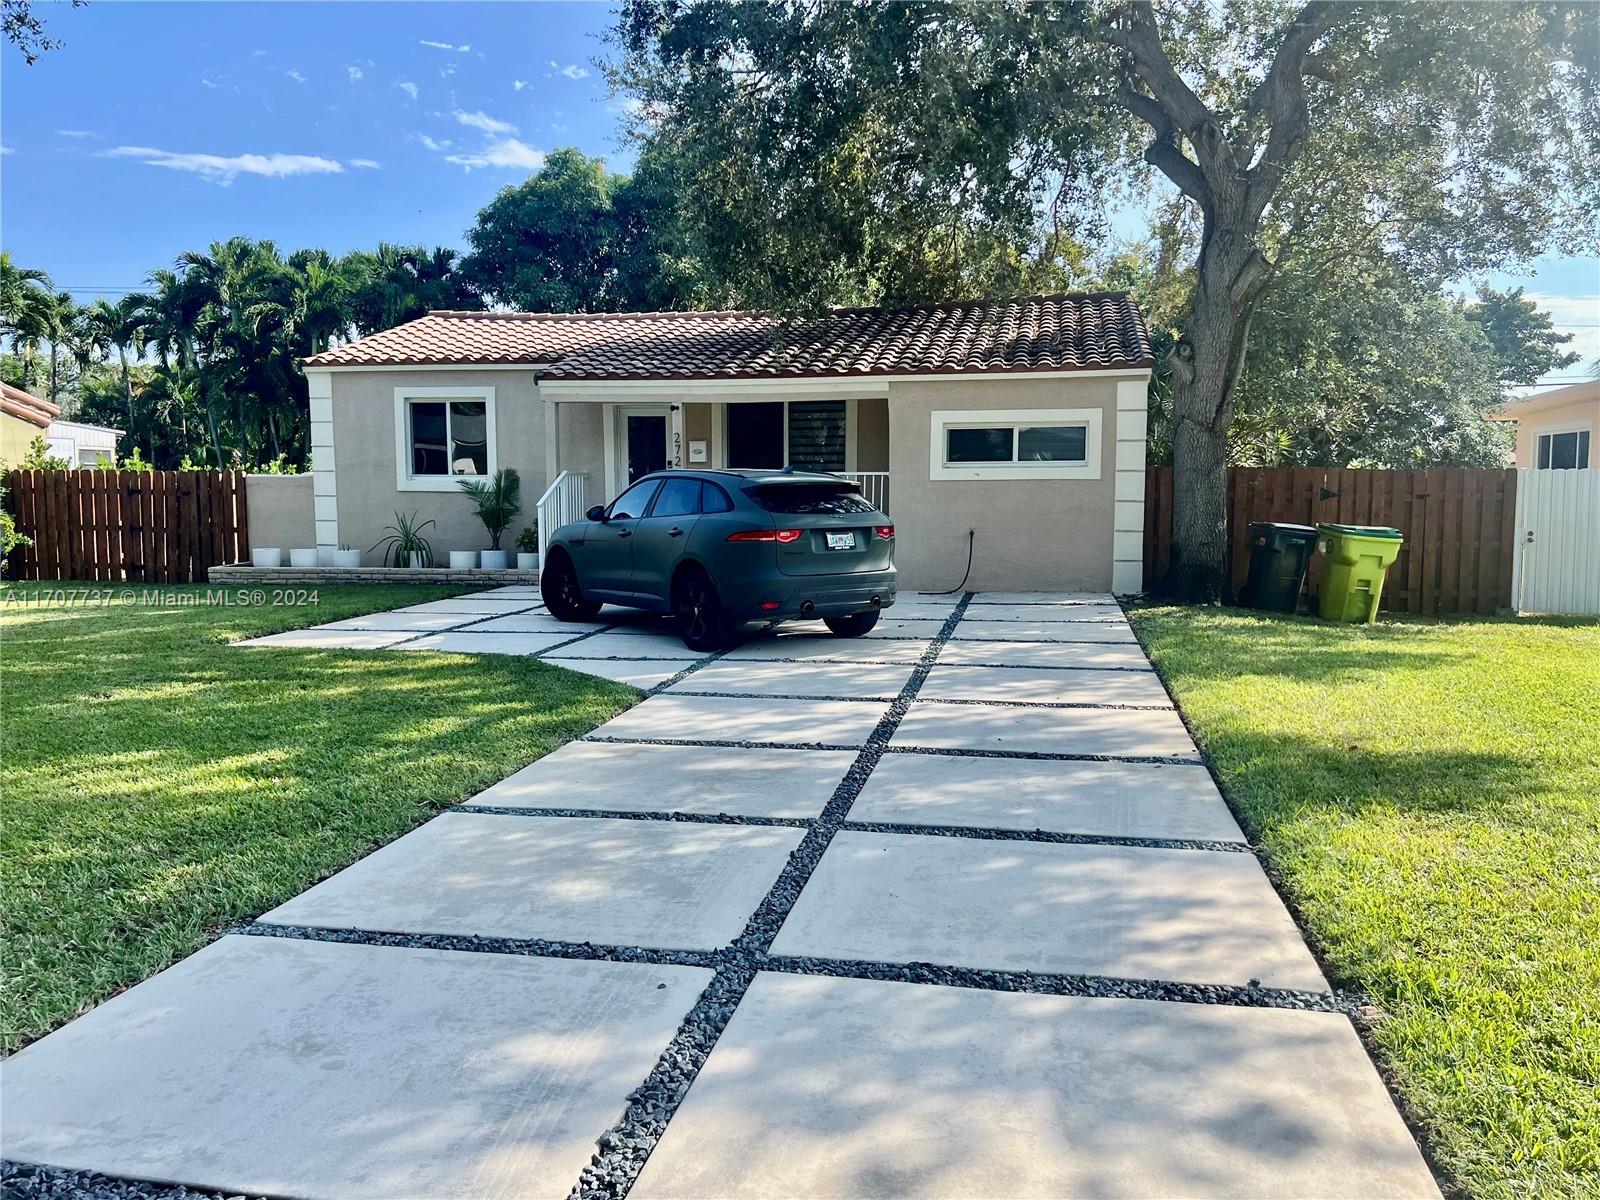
(833, 499)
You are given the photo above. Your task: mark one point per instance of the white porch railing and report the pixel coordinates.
(874, 486)
(561, 504)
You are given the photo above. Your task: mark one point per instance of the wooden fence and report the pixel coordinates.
(1459, 526)
(133, 526)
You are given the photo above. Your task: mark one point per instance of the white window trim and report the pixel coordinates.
(1555, 429)
(404, 480)
(943, 419)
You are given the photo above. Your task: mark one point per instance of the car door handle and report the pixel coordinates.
(674, 532)
(622, 533)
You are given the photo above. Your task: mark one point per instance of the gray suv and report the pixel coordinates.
(717, 549)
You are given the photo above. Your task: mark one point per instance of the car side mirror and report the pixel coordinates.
(597, 512)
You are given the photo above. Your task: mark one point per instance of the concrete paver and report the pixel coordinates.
(875, 1090)
(849, 680)
(983, 599)
(806, 648)
(1194, 916)
(1045, 654)
(730, 719)
(642, 673)
(480, 602)
(1053, 613)
(1045, 631)
(415, 622)
(1043, 686)
(613, 644)
(580, 879)
(470, 641)
(331, 639)
(263, 1066)
(1125, 732)
(537, 621)
(697, 779)
(1103, 799)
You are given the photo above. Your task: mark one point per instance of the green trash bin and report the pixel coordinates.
(1356, 560)
(1279, 555)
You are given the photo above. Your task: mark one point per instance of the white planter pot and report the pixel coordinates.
(346, 558)
(418, 560)
(267, 556)
(527, 562)
(303, 558)
(463, 560)
(493, 560)
(325, 556)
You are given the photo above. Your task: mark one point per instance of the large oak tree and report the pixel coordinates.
(860, 152)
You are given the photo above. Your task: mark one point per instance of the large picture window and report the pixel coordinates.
(1015, 444)
(443, 435)
(777, 434)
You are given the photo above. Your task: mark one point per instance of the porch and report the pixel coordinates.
(597, 447)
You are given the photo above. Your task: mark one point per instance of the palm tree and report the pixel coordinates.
(27, 311)
(63, 326)
(106, 326)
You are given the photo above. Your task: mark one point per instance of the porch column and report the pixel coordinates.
(552, 442)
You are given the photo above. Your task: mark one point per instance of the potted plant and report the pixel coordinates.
(463, 560)
(303, 558)
(497, 501)
(344, 556)
(528, 548)
(266, 556)
(403, 543)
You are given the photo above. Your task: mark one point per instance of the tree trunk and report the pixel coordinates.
(1206, 364)
(55, 374)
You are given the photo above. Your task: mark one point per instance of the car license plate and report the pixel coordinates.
(842, 541)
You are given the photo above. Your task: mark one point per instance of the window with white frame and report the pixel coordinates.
(1055, 443)
(1566, 450)
(442, 435)
(780, 433)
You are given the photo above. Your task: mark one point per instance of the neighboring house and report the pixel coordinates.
(23, 417)
(80, 444)
(1022, 421)
(1556, 429)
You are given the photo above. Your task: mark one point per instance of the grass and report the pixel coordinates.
(160, 784)
(1428, 795)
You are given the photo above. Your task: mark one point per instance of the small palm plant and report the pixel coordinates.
(497, 499)
(403, 543)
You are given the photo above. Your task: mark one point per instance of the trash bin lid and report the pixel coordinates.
(1384, 532)
(1281, 527)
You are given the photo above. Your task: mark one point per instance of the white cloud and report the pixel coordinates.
(356, 74)
(295, 75)
(483, 121)
(224, 169)
(518, 84)
(445, 46)
(77, 133)
(433, 144)
(409, 88)
(258, 54)
(4, 149)
(501, 152)
(574, 71)
(365, 164)
(208, 82)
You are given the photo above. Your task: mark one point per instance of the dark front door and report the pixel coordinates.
(647, 444)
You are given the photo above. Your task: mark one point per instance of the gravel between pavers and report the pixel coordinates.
(28, 1181)
(625, 1146)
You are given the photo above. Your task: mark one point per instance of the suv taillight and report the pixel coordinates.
(765, 535)
(884, 531)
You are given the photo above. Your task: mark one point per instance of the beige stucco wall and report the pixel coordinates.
(1580, 414)
(364, 456)
(1041, 534)
(16, 436)
(280, 512)
(872, 435)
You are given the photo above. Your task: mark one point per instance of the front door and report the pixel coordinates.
(641, 442)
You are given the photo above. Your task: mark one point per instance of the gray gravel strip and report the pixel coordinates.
(712, 742)
(978, 833)
(30, 1181)
(467, 625)
(624, 1148)
(1159, 760)
(632, 815)
(476, 944)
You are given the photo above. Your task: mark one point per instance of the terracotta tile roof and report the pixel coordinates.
(30, 408)
(1090, 331)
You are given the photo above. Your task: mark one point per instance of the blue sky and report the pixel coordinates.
(161, 127)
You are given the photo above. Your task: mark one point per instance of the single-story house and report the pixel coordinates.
(1019, 422)
(80, 444)
(1556, 427)
(23, 417)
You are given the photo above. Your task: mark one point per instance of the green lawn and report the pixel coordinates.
(1428, 794)
(159, 783)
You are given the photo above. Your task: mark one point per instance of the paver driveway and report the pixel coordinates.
(941, 913)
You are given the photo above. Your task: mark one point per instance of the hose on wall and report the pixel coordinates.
(972, 537)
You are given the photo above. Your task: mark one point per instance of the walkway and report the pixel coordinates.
(951, 910)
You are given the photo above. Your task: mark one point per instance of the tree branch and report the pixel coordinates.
(1164, 153)
(1281, 99)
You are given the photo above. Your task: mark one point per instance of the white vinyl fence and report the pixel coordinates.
(1555, 565)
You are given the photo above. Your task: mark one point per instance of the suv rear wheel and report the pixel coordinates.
(702, 622)
(558, 585)
(854, 625)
